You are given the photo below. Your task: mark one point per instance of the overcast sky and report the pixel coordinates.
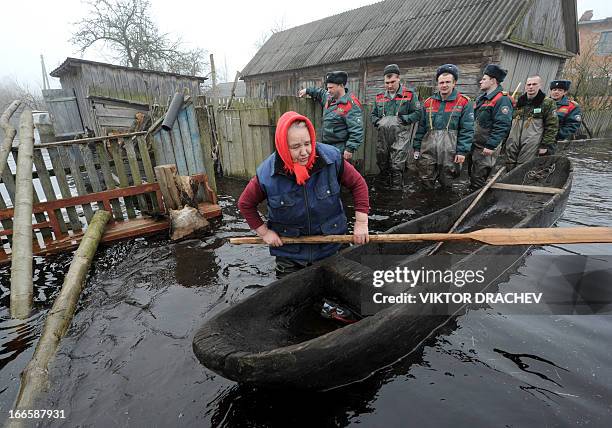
(228, 29)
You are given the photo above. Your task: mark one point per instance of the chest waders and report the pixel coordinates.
(524, 141)
(480, 165)
(437, 160)
(392, 146)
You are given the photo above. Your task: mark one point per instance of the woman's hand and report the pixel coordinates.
(360, 231)
(270, 237)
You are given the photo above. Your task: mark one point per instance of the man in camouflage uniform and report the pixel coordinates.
(394, 112)
(493, 119)
(342, 124)
(568, 111)
(445, 132)
(534, 125)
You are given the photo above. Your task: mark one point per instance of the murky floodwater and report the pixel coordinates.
(127, 359)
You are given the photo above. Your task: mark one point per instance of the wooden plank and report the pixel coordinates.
(45, 182)
(75, 171)
(62, 182)
(196, 146)
(123, 178)
(167, 148)
(91, 197)
(206, 142)
(186, 142)
(179, 152)
(248, 149)
(528, 189)
(236, 150)
(148, 169)
(90, 140)
(135, 169)
(109, 181)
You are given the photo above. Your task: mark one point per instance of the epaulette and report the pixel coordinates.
(466, 97)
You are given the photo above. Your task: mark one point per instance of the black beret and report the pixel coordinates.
(561, 84)
(496, 72)
(337, 77)
(391, 68)
(448, 68)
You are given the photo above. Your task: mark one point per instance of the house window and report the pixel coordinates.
(604, 46)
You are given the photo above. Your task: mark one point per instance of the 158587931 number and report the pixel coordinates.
(37, 414)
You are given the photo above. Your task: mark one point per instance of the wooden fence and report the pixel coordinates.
(107, 163)
(246, 135)
(599, 122)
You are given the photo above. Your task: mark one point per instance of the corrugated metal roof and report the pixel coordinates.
(388, 27)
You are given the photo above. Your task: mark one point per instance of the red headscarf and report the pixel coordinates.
(282, 146)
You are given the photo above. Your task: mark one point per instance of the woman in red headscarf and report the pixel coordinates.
(301, 182)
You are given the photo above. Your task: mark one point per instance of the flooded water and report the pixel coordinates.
(127, 360)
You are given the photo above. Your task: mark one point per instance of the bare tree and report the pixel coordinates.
(126, 28)
(276, 28)
(11, 89)
(591, 75)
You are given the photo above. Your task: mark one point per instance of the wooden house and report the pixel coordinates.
(525, 36)
(97, 97)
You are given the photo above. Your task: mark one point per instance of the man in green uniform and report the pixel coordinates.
(568, 111)
(394, 113)
(534, 125)
(342, 124)
(445, 132)
(493, 119)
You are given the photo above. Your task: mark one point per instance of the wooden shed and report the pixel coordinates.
(524, 36)
(101, 97)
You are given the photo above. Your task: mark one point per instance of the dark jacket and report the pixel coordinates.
(405, 105)
(342, 119)
(540, 107)
(493, 118)
(570, 118)
(457, 112)
(312, 209)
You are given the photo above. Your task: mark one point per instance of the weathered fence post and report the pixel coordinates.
(9, 133)
(21, 265)
(35, 376)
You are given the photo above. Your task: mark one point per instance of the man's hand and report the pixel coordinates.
(302, 93)
(487, 152)
(347, 155)
(542, 151)
(360, 232)
(459, 158)
(417, 155)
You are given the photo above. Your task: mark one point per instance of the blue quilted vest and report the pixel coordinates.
(312, 209)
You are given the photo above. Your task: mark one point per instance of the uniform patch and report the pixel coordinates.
(471, 116)
(505, 110)
(578, 118)
(537, 110)
(417, 105)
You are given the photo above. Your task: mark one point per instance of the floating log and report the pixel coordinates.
(9, 133)
(34, 378)
(186, 222)
(21, 266)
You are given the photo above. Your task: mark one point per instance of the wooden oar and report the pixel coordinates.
(532, 236)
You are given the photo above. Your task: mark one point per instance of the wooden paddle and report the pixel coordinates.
(533, 236)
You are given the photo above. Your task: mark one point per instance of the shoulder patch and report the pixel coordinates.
(505, 110)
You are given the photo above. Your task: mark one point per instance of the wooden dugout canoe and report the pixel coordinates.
(275, 338)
